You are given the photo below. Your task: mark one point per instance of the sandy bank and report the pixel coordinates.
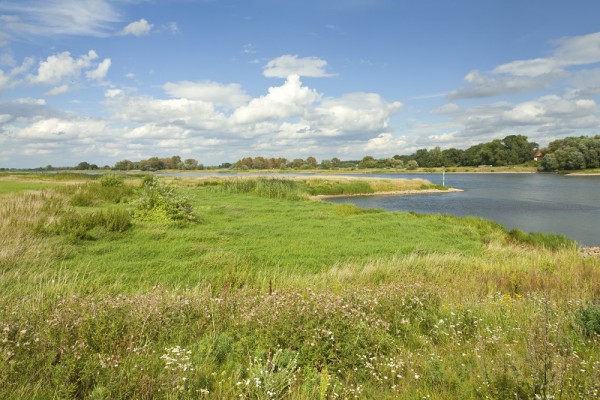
(392, 193)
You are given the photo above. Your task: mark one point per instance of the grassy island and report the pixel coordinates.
(117, 287)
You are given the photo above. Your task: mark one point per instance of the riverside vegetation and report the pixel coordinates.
(142, 288)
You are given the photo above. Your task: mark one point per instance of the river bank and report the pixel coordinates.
(387, 193)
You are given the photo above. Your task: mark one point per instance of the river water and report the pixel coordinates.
(531, 202)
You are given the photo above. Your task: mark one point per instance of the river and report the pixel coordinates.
(569, 205)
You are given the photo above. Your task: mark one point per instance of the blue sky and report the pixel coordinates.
(216, 80)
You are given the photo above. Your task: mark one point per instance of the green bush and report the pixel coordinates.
(162, 203)
(108, 180)
(589, 319)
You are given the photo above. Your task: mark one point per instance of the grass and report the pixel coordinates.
(270, 295)
(7, 187)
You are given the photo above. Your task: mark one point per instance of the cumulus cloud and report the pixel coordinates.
(62, 66)
(137, 28)
(101, 70)
(58, 17)
(289, 100)
(62, 70)
(211, 121)
(223, 95)
(286, 65)
(355, 112)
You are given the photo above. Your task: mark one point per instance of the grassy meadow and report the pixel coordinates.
(137, 287)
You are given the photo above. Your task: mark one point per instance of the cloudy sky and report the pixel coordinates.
(216, 80)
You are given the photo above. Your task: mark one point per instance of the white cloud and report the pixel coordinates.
(292, 99)
(355, 112)
(529, 68)
(61, 66)
(286, 65)
(61, 129)
(384, 143)
(483, 85)
(137, 28)
(58, 90)
(100, 72)
(223, 95)
(184, 112)
(211, 121)
(58, 17)
(448, 108)
(533, 74)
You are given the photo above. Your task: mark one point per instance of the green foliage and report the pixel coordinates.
(159, 202)
(589, 319)
(411, 165)
(572, 153)
(111, 180)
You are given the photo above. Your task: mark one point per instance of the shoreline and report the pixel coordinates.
(321, 197)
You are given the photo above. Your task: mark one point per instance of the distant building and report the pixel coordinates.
(537, 155)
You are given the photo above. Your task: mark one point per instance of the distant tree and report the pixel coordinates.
(83, 166)
(152, 164)
(412, 165)
(311, 162)
(395, 163)
(571, 153)
(190, 163)
(367, 162)
(297, 163)
(124, 165)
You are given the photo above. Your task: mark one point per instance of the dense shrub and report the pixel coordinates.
(111, 180)
(159, 202)
(589, 318)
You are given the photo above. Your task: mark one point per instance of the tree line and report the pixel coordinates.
(570, 153)
(512, 150)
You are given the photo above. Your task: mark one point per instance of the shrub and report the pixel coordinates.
(589, 319)
(108, 180)
(161, 203)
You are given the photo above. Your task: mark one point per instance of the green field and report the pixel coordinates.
(246, 288)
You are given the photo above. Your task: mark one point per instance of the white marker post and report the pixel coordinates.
(443, 176)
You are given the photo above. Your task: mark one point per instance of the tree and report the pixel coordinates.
(367, 162)
(152, 164)
(83, 166)
(190, 163)
(311, 162)
(412, 165)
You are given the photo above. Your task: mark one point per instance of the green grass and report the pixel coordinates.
(270, 295)
(7, 187)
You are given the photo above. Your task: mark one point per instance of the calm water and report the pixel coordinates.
(530, 202)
